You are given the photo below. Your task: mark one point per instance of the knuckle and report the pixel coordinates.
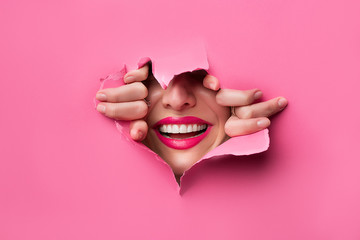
(141, 108)
(244, 112)
(247, 98)
(140, 89)
(143, 91)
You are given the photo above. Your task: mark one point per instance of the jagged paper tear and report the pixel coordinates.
(187, 58)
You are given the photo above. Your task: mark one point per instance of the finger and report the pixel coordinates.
(126, 93)
(231, 97)
(138, 130)
(211, 82)
(238, 127)
(123, 111)
(138, 75)
(263, 109)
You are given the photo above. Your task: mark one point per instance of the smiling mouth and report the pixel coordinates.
(182, 131)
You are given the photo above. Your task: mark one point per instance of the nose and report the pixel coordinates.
(179, 96)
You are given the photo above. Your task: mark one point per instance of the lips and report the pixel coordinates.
(181, 132)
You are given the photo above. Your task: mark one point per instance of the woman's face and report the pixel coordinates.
(185, 122)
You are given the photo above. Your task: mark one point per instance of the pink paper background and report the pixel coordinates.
(65, 173)
(189, 56)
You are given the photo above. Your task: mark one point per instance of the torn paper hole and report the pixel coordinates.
(182, 154)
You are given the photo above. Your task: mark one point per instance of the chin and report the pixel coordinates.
(181, 162)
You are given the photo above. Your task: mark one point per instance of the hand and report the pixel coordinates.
(247, 117)
(127, 102)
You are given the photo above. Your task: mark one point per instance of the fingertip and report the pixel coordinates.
(143, 72)
(258, 94)
(136, 135)
(101, 108)
(263, 123)
(140, 135)
(129, 78)
(230, 126)
(228, 130)
(138, 130)
(138, 75)
(145, 68)
(282, 102)
(211, 82)
(101, 96)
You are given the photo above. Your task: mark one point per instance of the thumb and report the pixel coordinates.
(138, 130)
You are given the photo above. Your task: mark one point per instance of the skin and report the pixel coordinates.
(204, 99)
(185, 96)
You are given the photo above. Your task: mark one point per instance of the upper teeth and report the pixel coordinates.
(181, 128)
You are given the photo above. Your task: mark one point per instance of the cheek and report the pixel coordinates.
(223, 113)
(208, 98)
(155, 94)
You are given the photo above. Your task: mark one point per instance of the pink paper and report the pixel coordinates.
(189, 57)
(66, 173)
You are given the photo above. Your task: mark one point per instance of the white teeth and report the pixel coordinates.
(175, 129)
(163, 128)
(189, 129)
(183, 128)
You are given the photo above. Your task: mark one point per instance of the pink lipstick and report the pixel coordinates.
(181, 132)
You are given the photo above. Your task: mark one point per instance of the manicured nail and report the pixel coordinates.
(263, 123)
(101, 97)
(258, 95)
(101, 108)
(282, 102)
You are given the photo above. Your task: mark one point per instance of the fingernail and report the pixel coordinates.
(263, 123)
(257, 95)
(101, 97)
(282, 102)
(129, 79)
(101, 108)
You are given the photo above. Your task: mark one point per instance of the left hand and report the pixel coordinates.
(247, 117)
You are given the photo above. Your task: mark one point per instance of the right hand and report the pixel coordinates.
(127, 102)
